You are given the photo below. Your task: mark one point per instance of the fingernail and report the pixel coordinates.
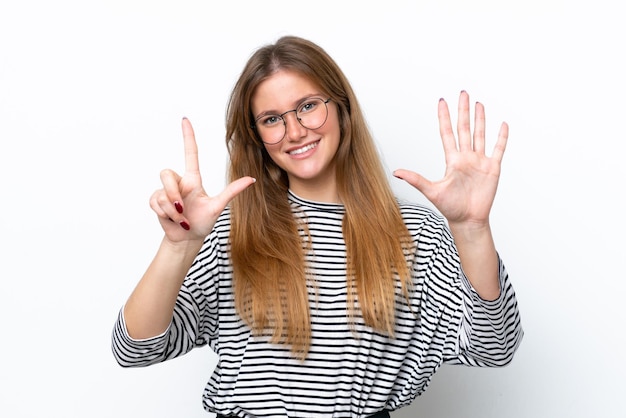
(184, 117)
(441, 99)
(178, 206)
(184, 225)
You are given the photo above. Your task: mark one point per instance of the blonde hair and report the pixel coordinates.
(267, 250)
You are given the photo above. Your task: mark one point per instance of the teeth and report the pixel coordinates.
(303, 149)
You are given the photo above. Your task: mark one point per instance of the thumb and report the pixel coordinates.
(414, 179)
(233, 189)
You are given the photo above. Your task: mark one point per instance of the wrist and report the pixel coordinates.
(182, 248)
(470, 231)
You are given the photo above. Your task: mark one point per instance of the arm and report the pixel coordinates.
(194, 319)
(466, 193)
(489, 323)
(148, 311)
(479, 259)
(187, 215)
(491, 330)
(477, 332)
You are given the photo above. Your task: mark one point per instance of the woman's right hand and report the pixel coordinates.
(184, 210)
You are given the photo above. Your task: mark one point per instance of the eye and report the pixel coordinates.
(269, 120)
(308, 106)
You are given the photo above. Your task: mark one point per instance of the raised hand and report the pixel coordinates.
(466, 193)
(184, 210)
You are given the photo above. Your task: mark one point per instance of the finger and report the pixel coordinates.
(479, 128)
(156, 206)
(233, 189)
(164, 208)
(463, 123)
(445, 128)
(415, 180)
(500, 147)
(171, 190)
(191, 148)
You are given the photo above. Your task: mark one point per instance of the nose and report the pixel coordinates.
(294, 131)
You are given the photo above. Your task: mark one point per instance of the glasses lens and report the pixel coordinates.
(271, 128)
(312, 113)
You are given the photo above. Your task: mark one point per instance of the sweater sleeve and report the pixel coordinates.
(194, 321)
(457, 326)
(490, 331)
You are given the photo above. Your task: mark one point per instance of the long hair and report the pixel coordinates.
(266, 244)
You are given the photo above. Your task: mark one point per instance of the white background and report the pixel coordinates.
(91, 97)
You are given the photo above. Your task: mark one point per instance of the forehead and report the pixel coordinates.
(282, 91)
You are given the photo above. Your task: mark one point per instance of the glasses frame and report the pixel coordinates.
(281, 116)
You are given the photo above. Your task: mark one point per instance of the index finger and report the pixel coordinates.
(445, 128)
(191, 148)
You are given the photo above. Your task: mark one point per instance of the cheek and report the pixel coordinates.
(273, 151)
(335, 131)
(334, 122)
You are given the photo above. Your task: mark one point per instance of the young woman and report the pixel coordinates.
(322, 294)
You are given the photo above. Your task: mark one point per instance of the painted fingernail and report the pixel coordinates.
(185, 225)
(178, 206)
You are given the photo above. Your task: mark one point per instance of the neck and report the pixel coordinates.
(325, 192)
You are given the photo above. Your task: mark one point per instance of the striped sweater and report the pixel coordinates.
(346, 373)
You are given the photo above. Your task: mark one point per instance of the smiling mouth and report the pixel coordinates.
(304, 149)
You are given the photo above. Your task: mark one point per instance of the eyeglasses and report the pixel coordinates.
(311, 114)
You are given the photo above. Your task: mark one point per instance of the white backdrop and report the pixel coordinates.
(91, 97)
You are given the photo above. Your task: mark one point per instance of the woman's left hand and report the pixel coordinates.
(467, 191)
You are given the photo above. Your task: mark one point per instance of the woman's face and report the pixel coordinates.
(307, 155)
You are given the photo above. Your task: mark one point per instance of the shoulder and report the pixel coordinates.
(425, 224)
(217, 241)
(220, 233)
(417, 214)
(223, 221)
